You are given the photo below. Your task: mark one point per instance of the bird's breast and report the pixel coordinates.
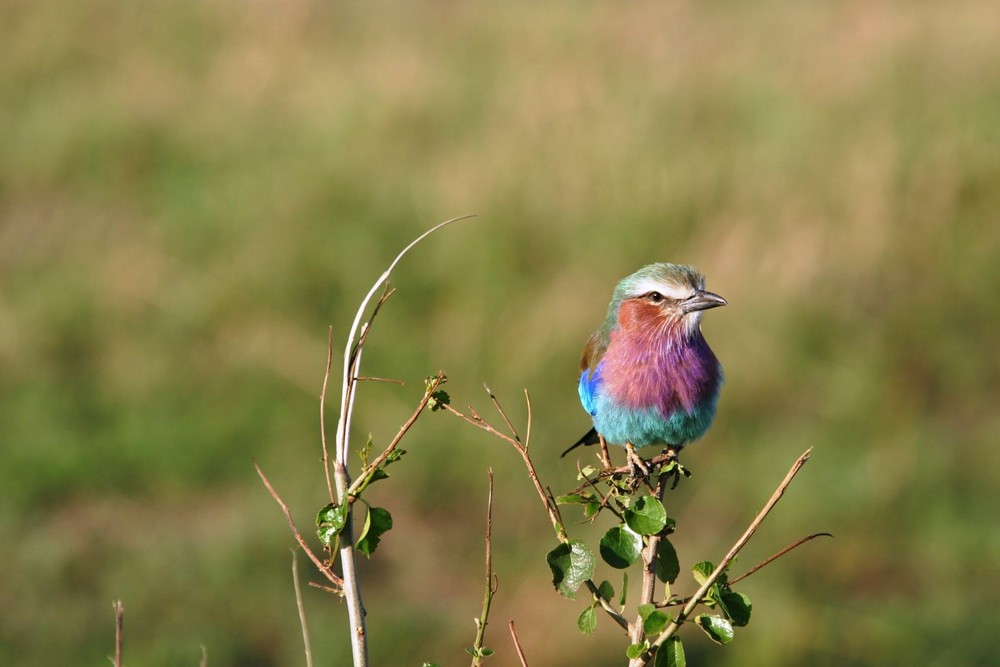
(668, 373)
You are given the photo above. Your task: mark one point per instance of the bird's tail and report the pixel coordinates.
(589, 438)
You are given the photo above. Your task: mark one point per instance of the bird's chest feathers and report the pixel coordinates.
(652, 364)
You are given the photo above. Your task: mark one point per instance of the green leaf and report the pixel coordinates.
(646, 516)
(702, 571)
(645, 610)
(330, 521)
(671, 654)
(606, 590)
(620, 547)
(667, 567)
(586, 472)
(737, 607)
(591, 509)
(378, 521)
(430, 664)
(571, 563)
(654, 622)
(635, 650)
(587, 621)
(438, 400)
(716, 627)
(621, 601)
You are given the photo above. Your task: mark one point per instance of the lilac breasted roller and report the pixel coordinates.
(647, 376)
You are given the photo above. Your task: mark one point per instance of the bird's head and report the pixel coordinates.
(661, 295)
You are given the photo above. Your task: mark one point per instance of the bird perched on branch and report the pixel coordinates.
(647, 376)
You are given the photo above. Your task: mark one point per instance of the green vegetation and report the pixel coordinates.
(190, 193)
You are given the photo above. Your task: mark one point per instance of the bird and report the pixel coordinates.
(647, 375)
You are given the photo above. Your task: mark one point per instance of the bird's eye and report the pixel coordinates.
(655, 297)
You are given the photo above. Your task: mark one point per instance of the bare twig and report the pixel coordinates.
(322, 414)
(491, 582)
(724, 563)
(333, 591)
(547, 500)
(776, 556)
(119, 629)
(334, 579)
(503, 413)
(378, 379)
(517, 644)
(369, 470)
(204, 656)
(302, 610)
(550, 506)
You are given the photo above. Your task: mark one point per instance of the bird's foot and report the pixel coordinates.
(637, 465)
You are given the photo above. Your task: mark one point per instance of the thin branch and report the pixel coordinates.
(332, 591)
(302, 610)
(517, 644)
(724, 563)
(334, 579)
(491, 582)
(204, 656)
(503, 413)
(401, 383)
(369, 470)
(322, 413)
(613, 613)
(776, 556)
(551, 507)
(527, 428)
(119, 630)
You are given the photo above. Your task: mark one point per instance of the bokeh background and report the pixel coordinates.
(192, 192)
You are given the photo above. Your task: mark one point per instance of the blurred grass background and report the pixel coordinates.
(190, 193)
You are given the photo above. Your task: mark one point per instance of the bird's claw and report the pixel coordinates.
(635, 462)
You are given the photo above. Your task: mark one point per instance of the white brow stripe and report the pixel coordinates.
(672, 291)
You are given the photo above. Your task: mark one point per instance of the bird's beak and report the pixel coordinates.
(702, 300)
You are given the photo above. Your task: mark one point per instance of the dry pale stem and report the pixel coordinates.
(119, 629)
(307, 647)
